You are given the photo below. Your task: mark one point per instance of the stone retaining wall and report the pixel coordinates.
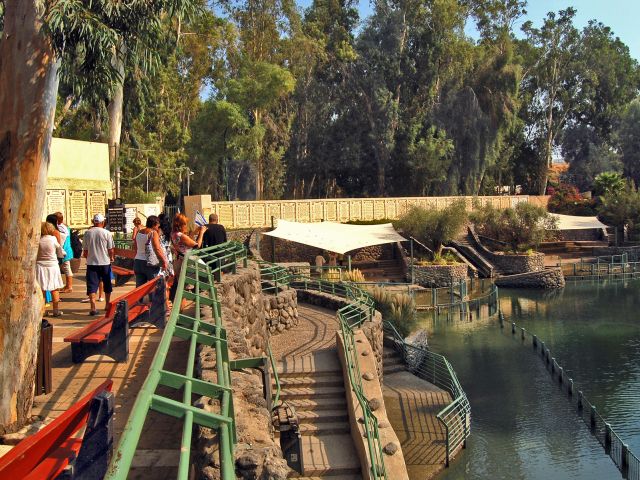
(510, 264)
(372, 329)
(244, 316)
(547, 279)
(434, 276)
(281, 310)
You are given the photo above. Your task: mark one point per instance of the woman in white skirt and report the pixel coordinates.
(47, 267)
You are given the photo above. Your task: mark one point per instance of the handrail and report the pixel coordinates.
(198, 273)
(275, 400)
(435, 368)
(359, 309)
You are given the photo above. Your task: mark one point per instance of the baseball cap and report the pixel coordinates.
(98, 218)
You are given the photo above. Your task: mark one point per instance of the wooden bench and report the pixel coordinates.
(56, 449)
(109, 335)
(121, 267)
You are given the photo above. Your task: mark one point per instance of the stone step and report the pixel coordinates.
(312, 392)
(393, 369)
(390, 353)
(331, 455)
(318, 404)
(323, 416)
(311, 381)
(326, 428)
(304, 374)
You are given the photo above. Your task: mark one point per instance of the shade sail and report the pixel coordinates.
(336, 237)
(571, 222)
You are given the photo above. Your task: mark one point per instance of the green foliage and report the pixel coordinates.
(434, 227)
(567, 200)
(522, 227)
(629, 140)
(621, 208)
(608, 183)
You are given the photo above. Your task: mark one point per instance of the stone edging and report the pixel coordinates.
(547, 279)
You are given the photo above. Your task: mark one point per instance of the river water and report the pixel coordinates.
(523, 427)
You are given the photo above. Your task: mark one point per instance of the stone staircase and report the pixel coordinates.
(315, 389)
(392, 362)
(465, 247)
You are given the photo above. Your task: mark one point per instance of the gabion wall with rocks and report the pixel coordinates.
(548, 279)
(435, 276)
(281, 310)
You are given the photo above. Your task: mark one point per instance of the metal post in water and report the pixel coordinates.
(553, 364)
(535, 342)
(560, 373)
(570, 387)
(592, 417)
(607, 438)
(624, 468)
(513, 328)
(580, 400)
(522, 333)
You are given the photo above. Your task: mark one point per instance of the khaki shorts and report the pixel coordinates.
(65, 267)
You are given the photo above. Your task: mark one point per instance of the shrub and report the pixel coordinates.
(355, 275)
(522, 227)
(398, 308)
(434, 228)
(567, 200)
(621, 209)
(608, 183)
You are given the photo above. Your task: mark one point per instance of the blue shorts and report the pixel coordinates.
(97, 274)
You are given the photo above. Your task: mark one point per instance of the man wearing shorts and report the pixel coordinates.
(98, 249)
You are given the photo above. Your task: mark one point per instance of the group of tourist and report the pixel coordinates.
(160, 250)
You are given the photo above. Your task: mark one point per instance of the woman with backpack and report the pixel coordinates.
(150, 257)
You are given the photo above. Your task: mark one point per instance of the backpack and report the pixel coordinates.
(76, 244)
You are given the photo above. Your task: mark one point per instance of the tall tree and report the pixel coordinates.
(554, 81)
(41, 32)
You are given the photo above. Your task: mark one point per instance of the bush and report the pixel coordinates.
(621, 209)
(398, 308)
(522, 227)
(567, 200)
(355, 275)
(434, 228)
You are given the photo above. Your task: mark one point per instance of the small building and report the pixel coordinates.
(78, 180)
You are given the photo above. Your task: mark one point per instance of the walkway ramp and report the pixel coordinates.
(312, 382)
(412, 406)
(465, 248)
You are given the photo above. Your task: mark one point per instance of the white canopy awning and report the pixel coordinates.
(336, 237)
(571, 222)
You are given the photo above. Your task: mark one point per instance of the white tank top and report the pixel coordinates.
(141, 241)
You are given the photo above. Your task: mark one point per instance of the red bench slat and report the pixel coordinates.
(98, 331)
(54, 464)
(121, 270)
(21, 460)
(125, 253)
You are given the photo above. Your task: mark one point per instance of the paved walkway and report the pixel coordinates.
(312, 382)
(159, 446)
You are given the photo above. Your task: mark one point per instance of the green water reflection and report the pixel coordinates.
(523, 427)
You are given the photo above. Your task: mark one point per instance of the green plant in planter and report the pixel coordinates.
(434, 228)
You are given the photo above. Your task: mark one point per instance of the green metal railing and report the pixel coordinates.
(598, 269)
(626, 461)
(196, 283)
(360, 308)
(432, 367)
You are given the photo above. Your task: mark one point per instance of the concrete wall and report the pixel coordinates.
(78, 180)
(259, 213)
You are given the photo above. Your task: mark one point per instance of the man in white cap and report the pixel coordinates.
(98, 249)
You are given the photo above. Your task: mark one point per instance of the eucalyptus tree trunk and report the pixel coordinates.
(115, 110)
(28, 89)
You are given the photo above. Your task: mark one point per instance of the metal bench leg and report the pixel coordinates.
(117, 344)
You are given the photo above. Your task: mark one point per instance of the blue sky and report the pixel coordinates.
(623, 16)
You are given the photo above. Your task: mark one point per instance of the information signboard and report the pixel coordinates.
(78, 208)
(116, 219)
(56, 201)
